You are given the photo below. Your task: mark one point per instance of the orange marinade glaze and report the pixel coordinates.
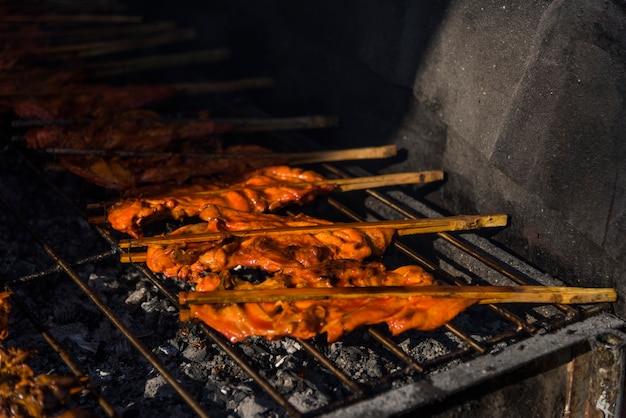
(306, 319)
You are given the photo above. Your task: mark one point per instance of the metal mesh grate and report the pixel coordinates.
(118, 324)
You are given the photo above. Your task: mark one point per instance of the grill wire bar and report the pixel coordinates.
(135, 341)
(358, 391)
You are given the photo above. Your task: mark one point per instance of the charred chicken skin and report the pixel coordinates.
(309, 318)
(133, 130)
(271, 253)
(284, 185)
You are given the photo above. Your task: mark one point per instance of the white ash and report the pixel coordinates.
(153, 386)
(137, 297)
(249, 407)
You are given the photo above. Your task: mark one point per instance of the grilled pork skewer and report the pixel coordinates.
(131, 130)
(70, 18)
(142, 130)
(402, 228)
(215, 246)
(238, 125)
(113, 68)
(124, 173)
(339, 296)
(308, 318)
(39, 33)
(88, 101)
(264, 190)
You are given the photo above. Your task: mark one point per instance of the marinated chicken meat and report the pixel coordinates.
(133, 130)
(88, 101)
(309, 318)
(263, 190)
(268, 252)
(23, 394)
(123, 173)
(5, 309)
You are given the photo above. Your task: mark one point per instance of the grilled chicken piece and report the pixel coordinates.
(133, 130)
(123, 173)
(269, 253)
(5, 309)
(309, 318)
(284, 185)
(22, 394)
(87, 101)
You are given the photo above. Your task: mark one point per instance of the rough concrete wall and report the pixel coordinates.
(532, 99)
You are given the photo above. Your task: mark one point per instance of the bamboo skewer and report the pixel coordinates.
(91, 32)
(92, 49)
(347, 184)
(342, 185)
(482, 294)
(239, 124)
(353, 154)
(402, 227)
(188, 88)
(78, 18)
(156, 61)
(281, 124)
(235, 85)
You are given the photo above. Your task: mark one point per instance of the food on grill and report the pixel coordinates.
(267, 252)
(309, 318)
(5, 309)
(122, 173)
(87, 101)
(18, 80)
(133, 130)
(283, 185)
(22, 394)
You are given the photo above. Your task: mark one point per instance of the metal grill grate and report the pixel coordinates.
(67, 283)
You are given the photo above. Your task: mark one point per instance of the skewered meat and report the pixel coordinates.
(284, 185)
(90, 101)
(271, 252)
(308, 318)
(5, 309)
(22, 394)
(18, 80)
(122, 173)
(134, 130)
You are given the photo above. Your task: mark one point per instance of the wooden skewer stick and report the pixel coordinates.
(98, 32)
(187, 88)
(482, 294)
(342, 185)
(111, 68)
(402, 227)
(92, 49)
(289, 158)
(347, 184)
(235, 85)
(70, 19)
(239, 124)
(281, 124)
